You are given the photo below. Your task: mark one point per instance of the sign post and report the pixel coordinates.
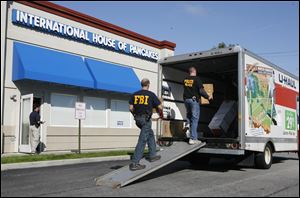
(79, 136)
(80, 114)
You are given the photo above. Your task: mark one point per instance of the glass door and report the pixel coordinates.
(26, 109)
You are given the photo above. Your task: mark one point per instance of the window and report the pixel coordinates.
(120, 116)
(95, 112)
(63, 110)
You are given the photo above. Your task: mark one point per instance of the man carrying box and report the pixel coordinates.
(193, 90)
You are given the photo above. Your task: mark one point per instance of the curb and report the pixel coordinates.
(41, 164)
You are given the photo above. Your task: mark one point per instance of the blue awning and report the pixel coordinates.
(35, 63)
(112, 77)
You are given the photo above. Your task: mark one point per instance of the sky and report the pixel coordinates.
(269, 29)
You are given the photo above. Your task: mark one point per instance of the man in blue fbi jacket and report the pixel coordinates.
(141, 104)
(193, 90)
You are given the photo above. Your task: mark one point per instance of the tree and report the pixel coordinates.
(223, 45)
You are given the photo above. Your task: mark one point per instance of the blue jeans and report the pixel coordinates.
(146, 136)
(192, 116)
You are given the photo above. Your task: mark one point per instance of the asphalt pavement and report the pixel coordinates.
(220, 178)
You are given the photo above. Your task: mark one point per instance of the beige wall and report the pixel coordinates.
(10, 128)
(62, 138)
(65, 138)
(9, 139)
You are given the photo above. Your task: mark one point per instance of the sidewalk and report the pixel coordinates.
(40, 164)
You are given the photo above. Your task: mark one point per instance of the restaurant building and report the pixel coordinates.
(55, 57)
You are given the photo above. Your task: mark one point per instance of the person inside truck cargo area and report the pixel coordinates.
(193, 90)
(141, 104)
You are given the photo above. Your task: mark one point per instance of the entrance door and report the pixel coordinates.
(26, 109)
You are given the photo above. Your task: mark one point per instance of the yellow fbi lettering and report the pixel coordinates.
(141, 99)
(188, 83)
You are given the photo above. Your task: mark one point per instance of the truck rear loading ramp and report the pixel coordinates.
(124, 176)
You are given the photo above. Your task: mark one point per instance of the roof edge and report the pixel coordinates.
(97, 23)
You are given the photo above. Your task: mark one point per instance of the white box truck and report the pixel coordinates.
(267, 119)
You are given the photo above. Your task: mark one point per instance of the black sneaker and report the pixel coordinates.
(153, 159)
(135, 167)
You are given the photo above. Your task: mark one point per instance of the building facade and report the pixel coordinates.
(55, 57)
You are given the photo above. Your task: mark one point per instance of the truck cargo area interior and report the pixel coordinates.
(222, 73)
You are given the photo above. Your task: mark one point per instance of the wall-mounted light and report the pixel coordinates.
(13, 98)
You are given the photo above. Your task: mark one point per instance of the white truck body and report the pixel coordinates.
(267, 97)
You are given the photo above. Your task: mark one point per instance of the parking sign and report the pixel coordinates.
(80, 110)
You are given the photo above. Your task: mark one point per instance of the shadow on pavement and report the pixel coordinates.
(216, 165)
(116, 167)
(277, 159)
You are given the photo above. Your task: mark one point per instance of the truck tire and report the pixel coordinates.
(264, 160)
(198, 161)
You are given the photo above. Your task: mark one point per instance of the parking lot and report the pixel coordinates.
(220, 178)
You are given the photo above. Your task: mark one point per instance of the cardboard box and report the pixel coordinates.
(166, 131)
(222, 120)
(209, 88)
(173, 129)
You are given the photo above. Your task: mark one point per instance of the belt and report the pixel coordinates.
(194, 99)
(146, 116)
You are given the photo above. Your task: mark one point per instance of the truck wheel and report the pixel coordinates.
(198, 160)
(264, 160)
